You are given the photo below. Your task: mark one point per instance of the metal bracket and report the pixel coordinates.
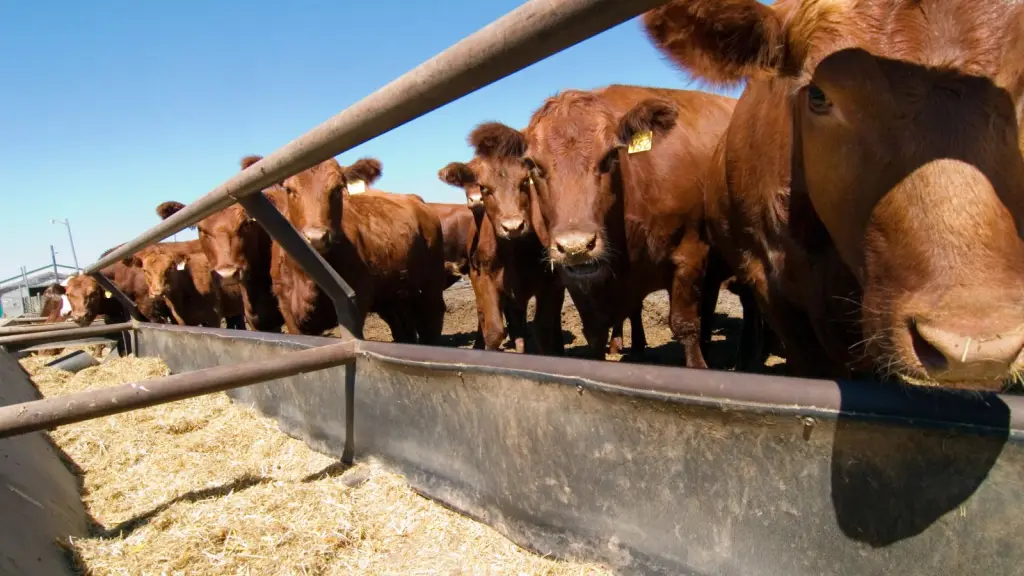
(311, 262)
(125, 301)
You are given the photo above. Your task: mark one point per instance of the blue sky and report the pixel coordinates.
(108, 109)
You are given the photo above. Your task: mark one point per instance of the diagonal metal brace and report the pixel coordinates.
(311, 262)
(327, 278)
(125, 301)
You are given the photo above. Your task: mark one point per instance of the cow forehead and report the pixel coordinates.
(969, 36)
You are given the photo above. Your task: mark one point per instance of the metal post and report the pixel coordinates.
(125, 301)
(53, 258)
(45, 414)
(311, 262)
(71, 239)
(24, 299)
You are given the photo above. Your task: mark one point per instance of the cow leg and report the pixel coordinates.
(638, 338)
(489, 311)
(515, 315)
(615, 346)
(751, 350)
(430, 317)
(690, 259)
(547, 321)
(716, 272)
(596, 324)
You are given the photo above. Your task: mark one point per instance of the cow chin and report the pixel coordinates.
(587, 272)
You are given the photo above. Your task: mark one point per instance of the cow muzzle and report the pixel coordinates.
(229, 274)
(578, 253)
(513, 227)
(318, 237)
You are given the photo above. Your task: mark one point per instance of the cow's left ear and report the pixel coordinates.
(649, 119)
(366, 170)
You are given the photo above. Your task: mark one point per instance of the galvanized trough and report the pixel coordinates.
(648, 469)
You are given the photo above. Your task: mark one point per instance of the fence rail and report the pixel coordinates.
(528, 34)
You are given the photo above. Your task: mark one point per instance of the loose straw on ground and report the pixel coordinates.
(204, 486)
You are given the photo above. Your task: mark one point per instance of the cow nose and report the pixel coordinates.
(575, 244)
(317, 236)
(955, 356)
(513, 225)
(474, 200)
(228, 272)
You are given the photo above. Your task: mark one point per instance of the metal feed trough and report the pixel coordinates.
(648, 469)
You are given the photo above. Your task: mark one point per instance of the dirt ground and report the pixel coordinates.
(461, 319)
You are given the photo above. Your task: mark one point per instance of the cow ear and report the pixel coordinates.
(367, 170)
(167, 209)
(58, 289)
(725, 42)
(650, 118)
(249, 160)
(496, 140)
(457, 174)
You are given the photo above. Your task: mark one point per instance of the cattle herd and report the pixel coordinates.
(863, 198)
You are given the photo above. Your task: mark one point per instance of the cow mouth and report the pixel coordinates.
(584, 270)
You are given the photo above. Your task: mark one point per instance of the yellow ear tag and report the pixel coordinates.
(641, 142)
(356, 187)
(107, 294)
(530, 178)
(181, 265)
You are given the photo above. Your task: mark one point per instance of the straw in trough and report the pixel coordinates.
(204, 486)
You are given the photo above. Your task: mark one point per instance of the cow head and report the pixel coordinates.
(574, 144)
(462, 175)
(86, 296)
(906, 148)
(230, 238)
(314, 197)
(165, 269)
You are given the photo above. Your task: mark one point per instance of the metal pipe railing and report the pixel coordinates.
(532, 32)
(48, 336)
(51, 412)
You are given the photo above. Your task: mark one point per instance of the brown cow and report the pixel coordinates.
(507, 262)
(53, 302)
(234, 296)
(179, 273)
(89, 299)
(871, 185)
(620, 225)
(458, 227)
(388, 247)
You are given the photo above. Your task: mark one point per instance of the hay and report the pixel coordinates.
(204, 486)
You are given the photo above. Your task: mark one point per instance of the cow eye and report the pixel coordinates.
(485, 191)
(817, 101)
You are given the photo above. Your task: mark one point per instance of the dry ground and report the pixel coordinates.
(204, 486)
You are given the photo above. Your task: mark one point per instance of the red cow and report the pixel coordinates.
(234, 299)
(388, 247)
(180, 275)
(89, 299)
(458, 227)
(53, 301)
(507, 263)
(621, 224)
(870, 187)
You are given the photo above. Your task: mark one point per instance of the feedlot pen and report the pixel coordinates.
(640, 468)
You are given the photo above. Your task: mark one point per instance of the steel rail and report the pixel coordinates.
(61, 335)
(70, 408)
(532, 32)
(33, 329)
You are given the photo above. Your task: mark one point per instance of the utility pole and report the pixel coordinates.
(24, 299)
(71, 239)
(53, 258)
